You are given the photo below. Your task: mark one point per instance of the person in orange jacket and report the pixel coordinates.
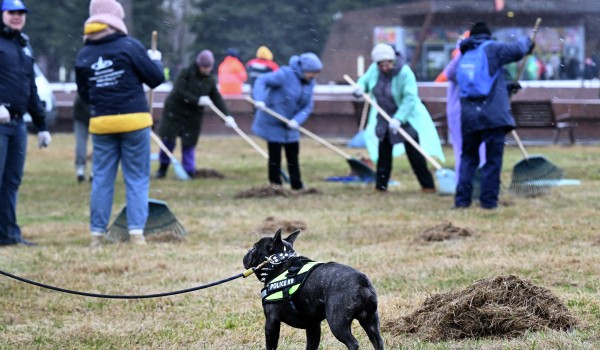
(232, 74)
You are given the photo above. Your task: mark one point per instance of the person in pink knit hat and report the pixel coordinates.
(110, 71)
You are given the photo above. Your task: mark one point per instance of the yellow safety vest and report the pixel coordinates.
(287, 283)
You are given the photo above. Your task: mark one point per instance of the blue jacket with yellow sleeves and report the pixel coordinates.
(109, 73)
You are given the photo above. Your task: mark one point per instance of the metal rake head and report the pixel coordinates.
(534, 176)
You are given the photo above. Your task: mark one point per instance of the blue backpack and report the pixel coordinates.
(473, 73)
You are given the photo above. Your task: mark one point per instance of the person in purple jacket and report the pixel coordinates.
(486, 118)
(288, 91)
(110, 71)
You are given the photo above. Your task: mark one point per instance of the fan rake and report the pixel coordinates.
(161, 225)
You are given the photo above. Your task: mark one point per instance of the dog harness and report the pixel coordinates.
(283, 286)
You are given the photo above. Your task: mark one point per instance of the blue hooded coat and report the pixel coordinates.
(287, 92)
(493, 111)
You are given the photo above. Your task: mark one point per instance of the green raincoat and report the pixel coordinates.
(410, 109)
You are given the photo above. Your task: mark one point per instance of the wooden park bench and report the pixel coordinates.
(541, 115)
(438, 116)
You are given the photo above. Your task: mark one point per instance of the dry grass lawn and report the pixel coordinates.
(554, 240)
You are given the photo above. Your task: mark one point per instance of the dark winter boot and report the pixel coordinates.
(161, 173)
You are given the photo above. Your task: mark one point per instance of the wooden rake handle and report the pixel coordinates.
(153, 46)
(155, 137)
(363, 116)
(386, 116)
(161, 145)
(239, 131)
(536, 27)
(304, 131)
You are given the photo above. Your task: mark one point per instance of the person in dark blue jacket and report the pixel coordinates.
(486, 119)
(288, 91)
(18, 95)
(110, 70)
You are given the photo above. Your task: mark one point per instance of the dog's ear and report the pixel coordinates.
(276, 242)
(292, 237)
(277, 236)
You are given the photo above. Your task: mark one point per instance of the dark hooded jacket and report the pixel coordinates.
(18, 92)
(493, 111)
(110, 74)
(182, 116)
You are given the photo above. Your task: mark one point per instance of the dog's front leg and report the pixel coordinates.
(272, 327)
(313, 337)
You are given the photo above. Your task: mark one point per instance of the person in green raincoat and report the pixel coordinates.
(393, 86)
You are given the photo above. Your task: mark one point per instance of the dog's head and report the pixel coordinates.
(268, 246)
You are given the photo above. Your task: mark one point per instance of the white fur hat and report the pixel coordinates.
(383, 52)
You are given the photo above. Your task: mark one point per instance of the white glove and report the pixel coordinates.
(259, 105)
(230, 122)
(358, 92)
(394, 125)
(44, 139)
(4, 115)
(204, 101)
(155, 55)
(293, 124)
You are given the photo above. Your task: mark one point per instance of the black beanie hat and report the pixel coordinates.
(480, 28)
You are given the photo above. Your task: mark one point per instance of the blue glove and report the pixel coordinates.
(155, 55)
(204, 101)
(4, 115)
(293, 124)
(230, 122)
(44, 139)
(394, 125)
(358, 92)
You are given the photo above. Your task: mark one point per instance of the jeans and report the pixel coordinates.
(291, 154)
(490, 171)
(13, 147)
(132, 149)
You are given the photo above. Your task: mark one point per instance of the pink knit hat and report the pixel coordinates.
(109, 12)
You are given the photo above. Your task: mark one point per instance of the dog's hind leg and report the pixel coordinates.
(370, 323)
(313, 337)
(340, 327)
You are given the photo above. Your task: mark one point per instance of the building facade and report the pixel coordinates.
(426, 32)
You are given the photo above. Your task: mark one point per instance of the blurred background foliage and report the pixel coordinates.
(188, 26)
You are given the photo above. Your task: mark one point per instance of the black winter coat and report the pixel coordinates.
(18, 92)
(182, 116)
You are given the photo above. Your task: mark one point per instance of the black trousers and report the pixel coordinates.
(418, 163)
(291, 154)
(490, 172)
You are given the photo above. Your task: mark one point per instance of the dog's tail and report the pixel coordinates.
(368, 294)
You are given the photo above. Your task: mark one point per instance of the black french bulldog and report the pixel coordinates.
(302, 293)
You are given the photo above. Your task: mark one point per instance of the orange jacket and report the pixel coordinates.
(232, 76)
(442, 76)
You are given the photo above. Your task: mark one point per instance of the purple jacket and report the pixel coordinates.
(453, 94)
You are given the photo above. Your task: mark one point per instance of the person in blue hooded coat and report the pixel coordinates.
(289, 92)
(486, 119)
